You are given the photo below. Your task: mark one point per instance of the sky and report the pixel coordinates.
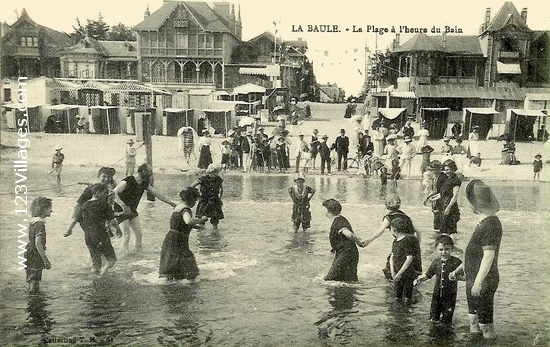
(338, 57)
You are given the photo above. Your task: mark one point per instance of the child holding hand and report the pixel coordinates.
(445, 287)
(405, 259)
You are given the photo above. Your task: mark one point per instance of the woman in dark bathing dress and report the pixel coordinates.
(177, 262)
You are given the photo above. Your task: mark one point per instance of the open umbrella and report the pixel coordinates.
(278, 108)
(357, 118)
(246, 121)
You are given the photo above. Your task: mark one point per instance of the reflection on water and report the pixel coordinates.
(261, 284)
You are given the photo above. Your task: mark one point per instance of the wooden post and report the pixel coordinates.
(148, 148)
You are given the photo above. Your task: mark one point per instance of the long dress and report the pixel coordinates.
(346, 254)
(300, 208)
(422, 139)
(473, 144)
(392, 153)
(378, 140)
(176, 259)
(210, 204)
(205, 156)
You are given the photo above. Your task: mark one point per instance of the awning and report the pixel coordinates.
(176, 110)
(95, 85)
(253, 71)
(513, 68)
(538, 96)
(249, 88)
(481, 110)
(104, 107)
(391, 113)
(435, 108)
(470, 92)
(403, 95)
(528, 113)
(135, 88)
(62, 107)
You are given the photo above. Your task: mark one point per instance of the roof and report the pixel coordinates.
(508, 15)
(60, 38)
(470, 92)
(458, 44)
(119, 49)
(331, 91)
(204, 15)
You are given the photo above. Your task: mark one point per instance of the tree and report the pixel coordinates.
(95, 29)
(121, 32)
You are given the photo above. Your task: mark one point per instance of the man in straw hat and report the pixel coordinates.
(57, 162)
(301, 194)
(324, 153)
(130, 155)
(481, 259)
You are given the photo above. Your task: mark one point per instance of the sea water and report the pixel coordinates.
(260, 283)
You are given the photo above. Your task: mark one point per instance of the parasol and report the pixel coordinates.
(246, 121)
(278, 108)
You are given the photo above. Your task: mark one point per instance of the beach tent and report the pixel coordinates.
(14, 114)
(176, 118)
(480, 116)
(397, 116)
(435, 119)
(220, 120)
(105, 120)
(521, 123)
(66, 116)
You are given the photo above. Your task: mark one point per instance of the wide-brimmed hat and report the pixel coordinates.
(427, 149)
(212, 168)
(130, 141)
(435, 164)
(299, 177)
(538, 155)
(407, 139)
(57, 148)
(315, 131)
(446, 139)
(481, 197)
(325, 136)
(391, 137)
(106, 170)
(301, 134)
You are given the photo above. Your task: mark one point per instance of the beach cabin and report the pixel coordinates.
(220, 120)
(522, 125)
(105, 120)
(66, 116)
(483, 117)
(397, 116)
(435, 119)
(175, 118)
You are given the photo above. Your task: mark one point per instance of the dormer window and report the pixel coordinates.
(28, 41)
(181, 23)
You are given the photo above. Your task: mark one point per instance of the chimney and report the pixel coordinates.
(444, 40)
(396, 41)
(487, 20)
(147, 13)
(524, 14)
(239, 25)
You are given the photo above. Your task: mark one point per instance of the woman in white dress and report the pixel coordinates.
(473, 141)
(423, 134)
(378, 140)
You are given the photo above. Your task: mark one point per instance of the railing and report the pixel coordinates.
(182, 52)
(186, 80)
(456, 80)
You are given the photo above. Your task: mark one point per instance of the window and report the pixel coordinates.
(181, 23)
(181, 40)
(28, 41)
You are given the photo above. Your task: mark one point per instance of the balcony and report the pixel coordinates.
(508, 55)
(458, 80)
(182, 52)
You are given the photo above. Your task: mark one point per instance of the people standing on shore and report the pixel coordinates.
(35, 250)
(390, 151)
(407, 152)
(130, 153)
(459, 155)
(408, 130)
(205, 154)
(246, 146)
(282, 154)
(341, 145)
(343, 242)
(324, 153)
(423, 134)
(299, 148)
(446, 150)
(481, 259)
(211, 193)
(57, 162)
(537, 167)
(127, 197)
(473, 141)
(301, 194)
(314, 147)
(177, 262)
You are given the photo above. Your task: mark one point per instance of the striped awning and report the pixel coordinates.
(391, 113)
(528, 113)
(470, 92)
(481, 110)
(402, 94)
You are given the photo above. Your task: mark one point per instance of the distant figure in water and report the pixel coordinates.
(177, 262)
(344, 245)
(211, 192)
(57, 162)
(301, 194)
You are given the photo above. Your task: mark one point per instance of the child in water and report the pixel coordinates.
(537, 167)
(445, 289)
(57, 162)
(405, 259)
(35, 253)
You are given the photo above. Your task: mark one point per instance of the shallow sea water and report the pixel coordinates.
(261, 284)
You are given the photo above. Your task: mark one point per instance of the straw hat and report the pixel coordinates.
(58, 148)
(299, 177)
(435, 164)
(481, 197)
(325, 136)
(538, 156)
(130, 141)
(427, 149)
(391, 137)
(446, 139)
